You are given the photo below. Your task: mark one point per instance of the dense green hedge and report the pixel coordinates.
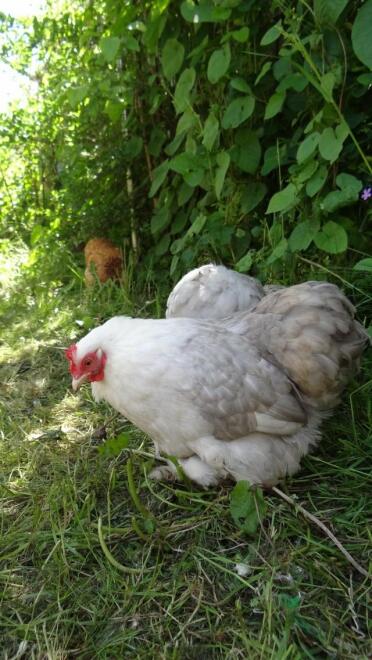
(226, 129)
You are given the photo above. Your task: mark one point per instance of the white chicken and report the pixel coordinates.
(212, 292)
(241, 398)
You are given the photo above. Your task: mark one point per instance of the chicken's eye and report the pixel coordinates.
(87, 362)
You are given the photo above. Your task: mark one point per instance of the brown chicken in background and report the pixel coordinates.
(103, 261)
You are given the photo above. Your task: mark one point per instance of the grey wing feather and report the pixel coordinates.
(213, 292)
(239, 391)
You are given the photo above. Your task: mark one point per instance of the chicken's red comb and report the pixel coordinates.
(70, 352)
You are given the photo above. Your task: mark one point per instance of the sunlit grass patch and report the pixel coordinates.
(99, 561)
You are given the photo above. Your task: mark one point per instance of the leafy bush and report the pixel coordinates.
(194, 130)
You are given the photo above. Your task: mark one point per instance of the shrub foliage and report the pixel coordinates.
(226, 129)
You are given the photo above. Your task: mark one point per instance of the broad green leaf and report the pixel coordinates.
(241, 36)
(247, 507)
(180, 221)
(295, 81)
(302, 235)
(131, 43)
(114, 446)
(172, 57)
(252, 195)
(244, 263)
(114, 110)
(77, 94)
(282, 200)
(328, 11)
(307, 147)
(246, 152)
(240, 85)
(278, 252)
(274, 105)
(332, 238)
(178, 245)
(162, 245)
(187, 121)
(306, 171)
(183, 88)
(218, 64)
(271, 35)
(210, 131)
(157, 139)
(350, 188)
(330, 146)
(109, 47)
(133, 146)
(203, 12)
(159, 175)
(197, 225)
(160, 219)
(238, 111)
(349, 182)
(223, 162)
(364, 264)
(190, 166)
(274, 157)
(317, 181)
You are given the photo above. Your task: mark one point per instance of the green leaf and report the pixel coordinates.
(159, 175)
(327, 84)
(114, 446)
(241, 36)
(218, 64)
(203, 12)
(109, 47)
(282, 200)
(266, 67)
(160, 219)
(278, 252)
(77, 94)
(306, 171)
(157, 139)
(247, 507)
(307, 147)
(113, 110)
(330, 146)
(244, 263)
(184, 193)
(172, 57)
(302, 235)
(131, 43)
(197, 225)
(274, 157)
(187, 121)
(174, 264)
(253, 194)
(332, 238)
(190, 166)
(210, 131)
(183, 88)
(350, 188)
(223, 161)
(238, 111)
(240, 85)
(162, 245)
(271, 35)
(349, 182)
(246, 152)
(317, 181)
(295, 81)
(328, 11)
(364, 264)
(274, 105)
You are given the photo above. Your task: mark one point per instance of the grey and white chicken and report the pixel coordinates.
(243, 397)
(212, 292)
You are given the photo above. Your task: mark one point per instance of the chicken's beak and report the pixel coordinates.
(76, 382)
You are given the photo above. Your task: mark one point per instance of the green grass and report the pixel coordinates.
(67, 593)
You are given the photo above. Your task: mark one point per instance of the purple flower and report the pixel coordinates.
(366, 193)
